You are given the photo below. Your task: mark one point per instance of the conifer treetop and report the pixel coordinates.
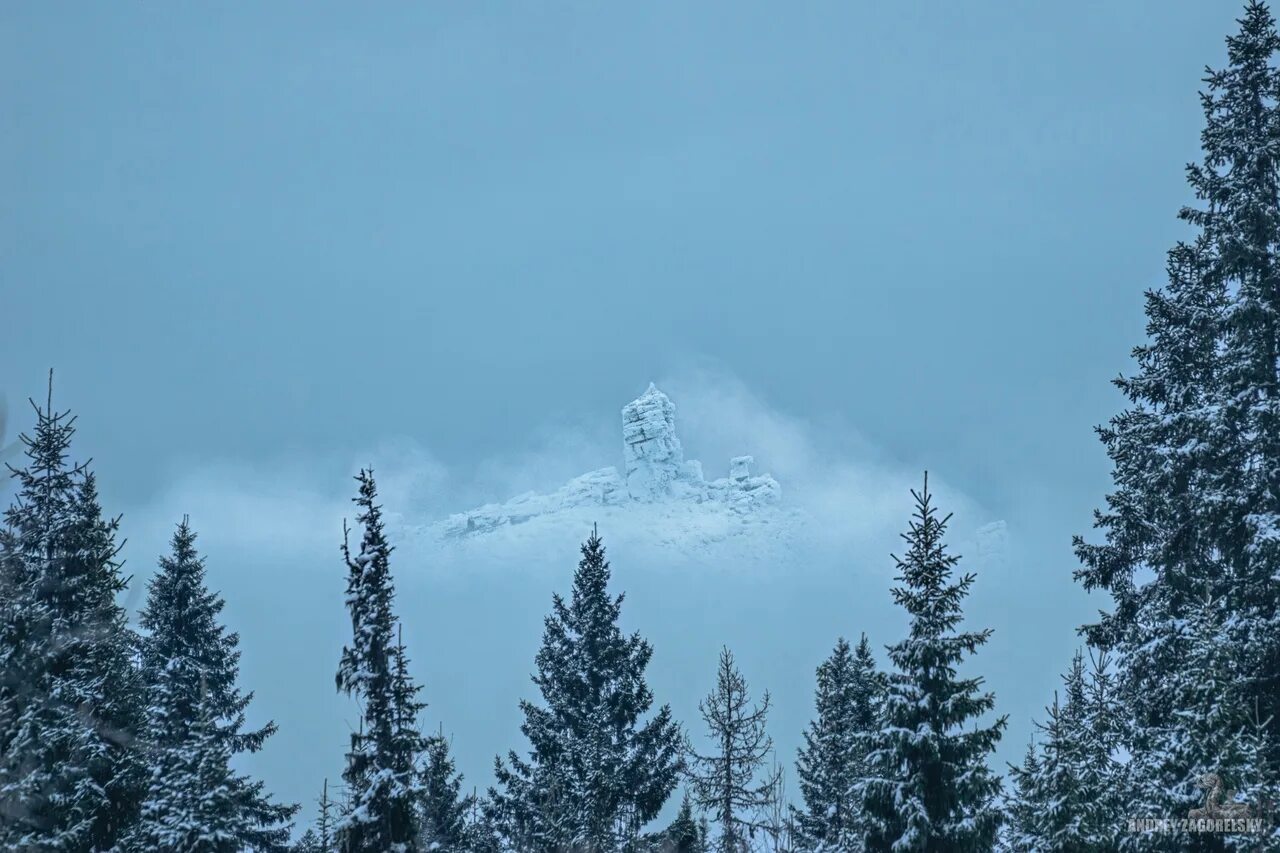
(597, 770)
(70, 775)
(934, 789)
(195, 709)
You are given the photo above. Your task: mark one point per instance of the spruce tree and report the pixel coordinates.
(319, 838)
(486, 825)
(1239, 181)
(111, 697)
(195, 802)
(309, 842)
(1062, 797)
(728, 782)
(442, 807)
(1072, 795)
(1107, 734)
(1195, 508)
(934, 791)
(596, 774)
(684, 835)
(833, 763)
(381, 777)
(1023, 809)
(1207, 732)
(325, 820)
(70, 776)
(1077, 785)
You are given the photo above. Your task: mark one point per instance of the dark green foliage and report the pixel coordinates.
(195, 802)
(684, 835)
(595, 774)
(70, 777)
(443, 809)
(1073, 795)
(308, 843)
(833, 763)
(1195, 510)
(382, 784)
(1022, 807)
(935, 792)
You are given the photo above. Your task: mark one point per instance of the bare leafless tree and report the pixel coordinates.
(725, 782)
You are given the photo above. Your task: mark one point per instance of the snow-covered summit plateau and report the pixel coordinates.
(655, 479)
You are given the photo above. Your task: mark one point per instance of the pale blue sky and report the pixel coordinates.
(248, 233)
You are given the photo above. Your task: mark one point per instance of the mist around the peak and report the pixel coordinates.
(777, 585)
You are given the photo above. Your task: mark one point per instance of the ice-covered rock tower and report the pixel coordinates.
(654, 472)
(651, 452)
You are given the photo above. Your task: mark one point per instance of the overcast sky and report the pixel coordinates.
(262, 244)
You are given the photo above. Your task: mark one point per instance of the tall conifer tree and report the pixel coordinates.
(1063, 786)
(319, 838)
(383, 787)
(934, 791)
(833, 762)
(1195, 509)
(195, 802)
(70, 778)
(596, 774)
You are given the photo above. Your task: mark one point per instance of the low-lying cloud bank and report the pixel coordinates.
(840, 495)
(778, 592)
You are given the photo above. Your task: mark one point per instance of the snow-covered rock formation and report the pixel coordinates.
(654, 460)
(655, 473)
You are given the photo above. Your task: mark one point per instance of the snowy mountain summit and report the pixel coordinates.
(654, 475)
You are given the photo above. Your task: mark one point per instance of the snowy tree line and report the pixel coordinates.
(122, 737)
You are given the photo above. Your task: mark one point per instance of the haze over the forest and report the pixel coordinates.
(263, 249)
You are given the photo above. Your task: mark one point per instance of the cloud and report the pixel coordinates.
(844, 502)
(850, 489)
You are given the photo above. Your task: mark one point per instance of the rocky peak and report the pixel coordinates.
(654, 472)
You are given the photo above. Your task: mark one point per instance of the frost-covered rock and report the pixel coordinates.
(602, 487)
(743, 491)
(654, 472)
(652, 456)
